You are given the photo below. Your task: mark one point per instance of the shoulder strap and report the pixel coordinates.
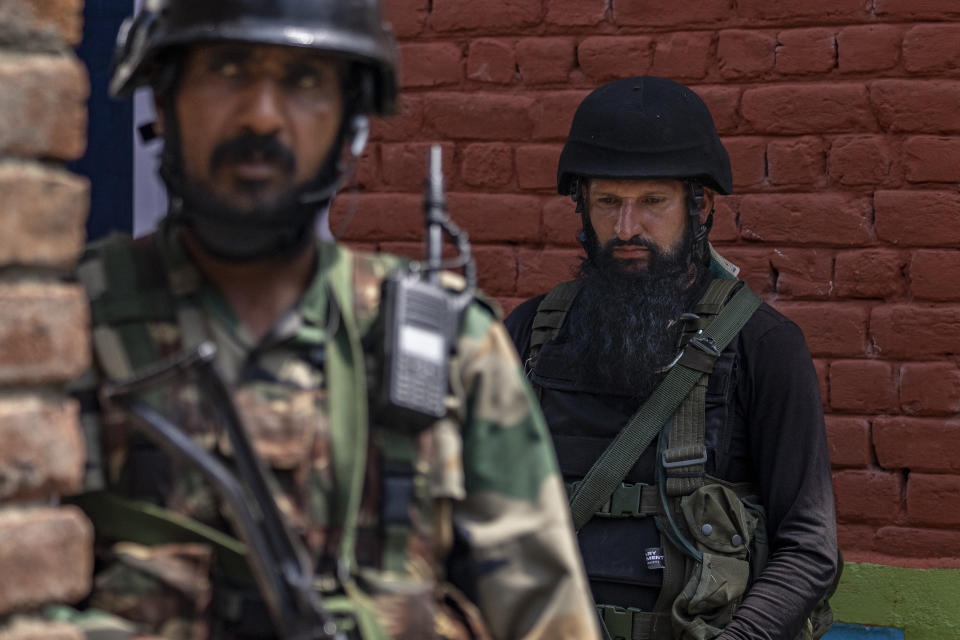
(616, 461)
(551, 314)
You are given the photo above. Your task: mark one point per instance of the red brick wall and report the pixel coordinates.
(842, 118)
(45, 549)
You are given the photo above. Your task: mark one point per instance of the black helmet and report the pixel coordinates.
(644, 127)
(351, 29)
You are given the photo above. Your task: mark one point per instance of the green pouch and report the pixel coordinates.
(722, 528)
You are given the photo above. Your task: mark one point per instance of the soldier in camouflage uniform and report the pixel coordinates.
(456, 530)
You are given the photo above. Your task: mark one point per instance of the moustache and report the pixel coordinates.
(251, 147)
(635, 241)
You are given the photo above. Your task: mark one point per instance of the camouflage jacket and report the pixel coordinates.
(485, 506)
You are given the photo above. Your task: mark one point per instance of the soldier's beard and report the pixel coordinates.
(624, 324)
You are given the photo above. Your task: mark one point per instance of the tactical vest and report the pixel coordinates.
(377, 569)
(694, 540)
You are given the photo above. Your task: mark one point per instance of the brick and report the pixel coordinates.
(806, 51)
(726, 210)
(561, 223)
(927, 269)
(378, 216)
(933, 500)
(46, 555)
(552, 113)
(404, 124)
(430, 65)
(930, 388)
(748, 158)
(545, 60)
(932, 159)
(928, 9)
(604, 58)
(404, 165)
(909, 331)
(490, 60)
(406, 17)
(540, 270)
(754, 266)
(683, 55)
(43, 213)
(855, 537)
(43, 333)
(806, 218)
(917, 218)
(660, 13)
(35, 24)
(849, 441)
(870, 273)
(496, 218)
(499, 15)
(806, 108)
(863, 386)
(43, 451)
(932, 48)
(481, 116)
(496, 269)
(831, 329)
(576, 13)
(724, 105)
(918, 543)
(866, 48)
(43, 109)
(922, 106)
(803, 273)
(537, 166)
(487, 164)
(867, 496)
(23, 628)
(823, 10)
(745, 54)
(860, 160)
(797, 161)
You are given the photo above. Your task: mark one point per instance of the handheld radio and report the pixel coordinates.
(422, 318)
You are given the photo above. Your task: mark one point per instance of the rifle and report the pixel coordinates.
(279, 561)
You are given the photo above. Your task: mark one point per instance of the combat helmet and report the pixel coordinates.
(348, 29)
(644, 127)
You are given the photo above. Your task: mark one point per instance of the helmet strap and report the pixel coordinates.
(695, 203)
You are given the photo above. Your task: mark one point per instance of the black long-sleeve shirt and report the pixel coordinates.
(774, 437)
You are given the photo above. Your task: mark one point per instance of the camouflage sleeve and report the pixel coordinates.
(514, 519)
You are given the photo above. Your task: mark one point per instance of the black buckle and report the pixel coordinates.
(705, 344)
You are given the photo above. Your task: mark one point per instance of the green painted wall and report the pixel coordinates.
(925, 603)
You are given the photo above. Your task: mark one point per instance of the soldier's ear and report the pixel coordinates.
(708, 203)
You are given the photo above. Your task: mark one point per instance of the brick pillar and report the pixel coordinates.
(45, 549)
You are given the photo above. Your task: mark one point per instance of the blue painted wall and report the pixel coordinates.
(841, 631)
(108, 162)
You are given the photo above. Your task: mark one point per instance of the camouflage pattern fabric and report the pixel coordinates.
(485, 471)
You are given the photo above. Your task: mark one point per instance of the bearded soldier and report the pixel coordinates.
(364, 518)
(685, 413)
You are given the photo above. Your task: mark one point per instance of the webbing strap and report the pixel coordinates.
(684, 460)
(346, 389)
(619, 457)
(627, 500)
(551, 314)
(628, 623)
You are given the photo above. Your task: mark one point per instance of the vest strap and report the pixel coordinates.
(627, 500)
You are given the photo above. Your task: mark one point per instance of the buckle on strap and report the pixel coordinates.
(705, 344)
(683, 462)
(626, 501)
(617, 622)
